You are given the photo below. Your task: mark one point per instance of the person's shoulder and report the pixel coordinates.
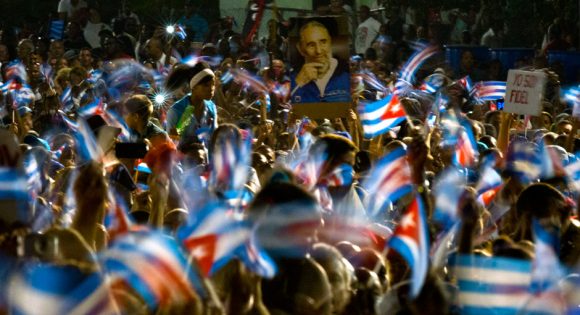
(181, 103)
(153, 129)
(211, 106)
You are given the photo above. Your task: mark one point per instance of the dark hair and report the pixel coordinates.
(139, 104)
(182, 74)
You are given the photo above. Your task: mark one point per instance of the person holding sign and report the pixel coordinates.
(322, 78)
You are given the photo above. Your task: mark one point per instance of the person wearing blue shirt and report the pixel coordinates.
(322, 78)
(195, 23)
(194, 117)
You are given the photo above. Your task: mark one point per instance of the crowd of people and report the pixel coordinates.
(161, 169)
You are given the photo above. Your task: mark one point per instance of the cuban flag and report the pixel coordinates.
(179, 31)
(230, 164)
(308, 166)
(415, 62)
(573, 173)
(457, 133)
(66, 100)
(33, 175)
(491, 285)
(489, 184)
(117, 221)
(226, 77)
(549, 162)
(428, 88)
(466, 83)
(572, 97)
(546, 269)
(343, 175)
(391, 180)
(401, 86)
(154, 266)
(16, 70)
(56, 29)
(490, 90)
(411, 240)
(87, 147)
(95, 75)
(97, 107)
(14, 186)
(448, 189)
(249, 81)
(466, 152)
(287, 228)
(379, 117)
(256, 259)
(304, 136)
(522, 161)
(51, 289)
(112, 118)
(418, 45)
(71, 124)
(372, 81)
(213, 236)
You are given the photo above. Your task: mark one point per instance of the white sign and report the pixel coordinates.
(524, 92)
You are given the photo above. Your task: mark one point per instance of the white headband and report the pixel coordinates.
(198, 77)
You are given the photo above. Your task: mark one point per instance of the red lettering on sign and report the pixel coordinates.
(519, 97)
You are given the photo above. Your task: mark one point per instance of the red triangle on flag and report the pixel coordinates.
(203, 250)
(394, 109)
(409, 225)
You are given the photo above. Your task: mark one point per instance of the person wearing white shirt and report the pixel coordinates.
(367, 30)
(67, 8)
(93, 27)
(154, 49)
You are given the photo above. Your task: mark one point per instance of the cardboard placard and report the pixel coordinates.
(320, 75)
(524, 92)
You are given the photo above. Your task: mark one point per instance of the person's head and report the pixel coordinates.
(24, 49)
(563, 127)
(154, 48)
(364, 12)
(543, 203)
(315, 45)
(467, 60)
(202, 83)
(78, 75)
(372, 260)
(493, 118)
(4, 53)
(466, 37)
(86, 58)
(111, 45)
(336, 6)
(94, 16)
(546, 120)
(278, 68)
(73, 30)
(132, 26)
(337, 273)
(56, 49)
(338, 150)
(26, 116)
(174, 219)
(194, 153)
(287, 219)
(138, 110)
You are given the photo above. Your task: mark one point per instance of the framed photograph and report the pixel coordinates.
(319, 59)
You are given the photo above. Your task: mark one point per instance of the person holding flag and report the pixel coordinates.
(194, 117)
